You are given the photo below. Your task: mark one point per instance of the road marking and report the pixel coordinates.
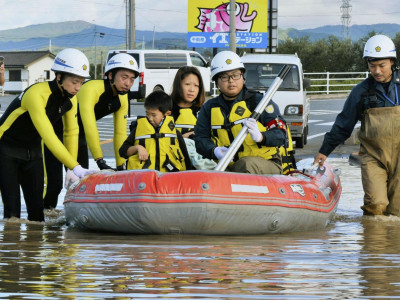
(106, 142)
(326, 124)
(310, 137)
(324, 112)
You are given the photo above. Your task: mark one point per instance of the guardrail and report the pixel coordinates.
(326, 82)
(334, 82)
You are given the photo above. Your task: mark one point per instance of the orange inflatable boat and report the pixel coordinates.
(203, 202)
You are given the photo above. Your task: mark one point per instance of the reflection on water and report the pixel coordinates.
(355, 257)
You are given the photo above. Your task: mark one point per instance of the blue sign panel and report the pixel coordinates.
(221, 39)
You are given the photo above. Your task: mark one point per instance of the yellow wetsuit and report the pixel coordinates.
(27, 120)
(96, 100)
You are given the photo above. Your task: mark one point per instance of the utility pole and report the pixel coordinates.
(154, 32)
(95, 52)
(232, 25)
(131, 28)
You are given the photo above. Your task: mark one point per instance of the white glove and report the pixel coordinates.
(253, 130)
(81, 172)
(220, 152)
(70, 178)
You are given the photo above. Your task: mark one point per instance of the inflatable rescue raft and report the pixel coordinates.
(203, 202)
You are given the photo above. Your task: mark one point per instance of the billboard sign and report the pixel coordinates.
(208, 23)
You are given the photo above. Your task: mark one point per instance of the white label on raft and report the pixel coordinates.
(243, 188)
(111, 187)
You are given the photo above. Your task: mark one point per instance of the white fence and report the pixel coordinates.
(334, 82)
(331, 82)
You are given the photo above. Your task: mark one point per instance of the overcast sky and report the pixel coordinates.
(171, 15)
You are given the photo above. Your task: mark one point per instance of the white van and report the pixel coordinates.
(294, 105)
(157, 69)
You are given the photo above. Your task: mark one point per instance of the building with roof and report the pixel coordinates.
(24, 68)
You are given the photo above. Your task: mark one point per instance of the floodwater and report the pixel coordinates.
(355, 257)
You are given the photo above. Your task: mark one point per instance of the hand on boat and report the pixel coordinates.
(102, 164)
(253, 130)
(70, 178)
(320, 159)
(121, 168)
(81, 172)
(220, 152)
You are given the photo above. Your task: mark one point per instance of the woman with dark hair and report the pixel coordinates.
(188, 96)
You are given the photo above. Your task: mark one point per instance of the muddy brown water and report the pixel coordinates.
(355, 257)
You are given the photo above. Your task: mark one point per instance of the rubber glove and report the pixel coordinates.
(70, 178)
(253, 130)
(81, 172)
(220, 152)
(102, 164)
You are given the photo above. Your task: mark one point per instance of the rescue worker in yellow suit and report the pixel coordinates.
(375, 102)
(220, 121)
(99, 98)
(96, 99)
(27, 121)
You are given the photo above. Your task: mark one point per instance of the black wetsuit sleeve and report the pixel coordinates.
(129, 142)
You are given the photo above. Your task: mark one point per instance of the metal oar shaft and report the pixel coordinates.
(237, 142)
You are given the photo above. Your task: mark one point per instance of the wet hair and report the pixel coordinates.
(177, 92)
(158, 100)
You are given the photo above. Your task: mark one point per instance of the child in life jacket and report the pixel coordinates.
(154, 142)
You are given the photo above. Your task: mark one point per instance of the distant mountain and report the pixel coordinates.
(78, 34)
(84, 35)
(356, 31)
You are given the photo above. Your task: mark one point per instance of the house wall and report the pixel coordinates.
(15, 86)
(34, 73)
(37, 70)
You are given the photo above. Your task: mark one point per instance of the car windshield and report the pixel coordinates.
(259, 76)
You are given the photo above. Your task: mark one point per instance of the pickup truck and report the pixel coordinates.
(294, 105)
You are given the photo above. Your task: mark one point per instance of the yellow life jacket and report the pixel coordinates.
(185, 121)
(287, 154)
(165, 154)
(224, 132)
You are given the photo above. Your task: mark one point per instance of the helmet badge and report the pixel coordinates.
(131, 62)
(228, 61)
(84, 67)
(378, 49)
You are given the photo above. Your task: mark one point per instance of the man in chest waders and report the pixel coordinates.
(375, 102)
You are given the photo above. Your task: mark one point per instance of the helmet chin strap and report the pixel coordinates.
(64, 91)
(119, 92)
(114, 86)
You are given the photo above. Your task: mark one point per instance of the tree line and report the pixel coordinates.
(331, 54)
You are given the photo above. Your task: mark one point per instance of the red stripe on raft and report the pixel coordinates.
(328, 209)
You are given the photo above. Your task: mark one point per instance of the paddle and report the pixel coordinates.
(262, 105)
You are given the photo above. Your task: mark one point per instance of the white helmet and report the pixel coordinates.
(379, 46)
(225, 61)
(122, 60)
(71, 61)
